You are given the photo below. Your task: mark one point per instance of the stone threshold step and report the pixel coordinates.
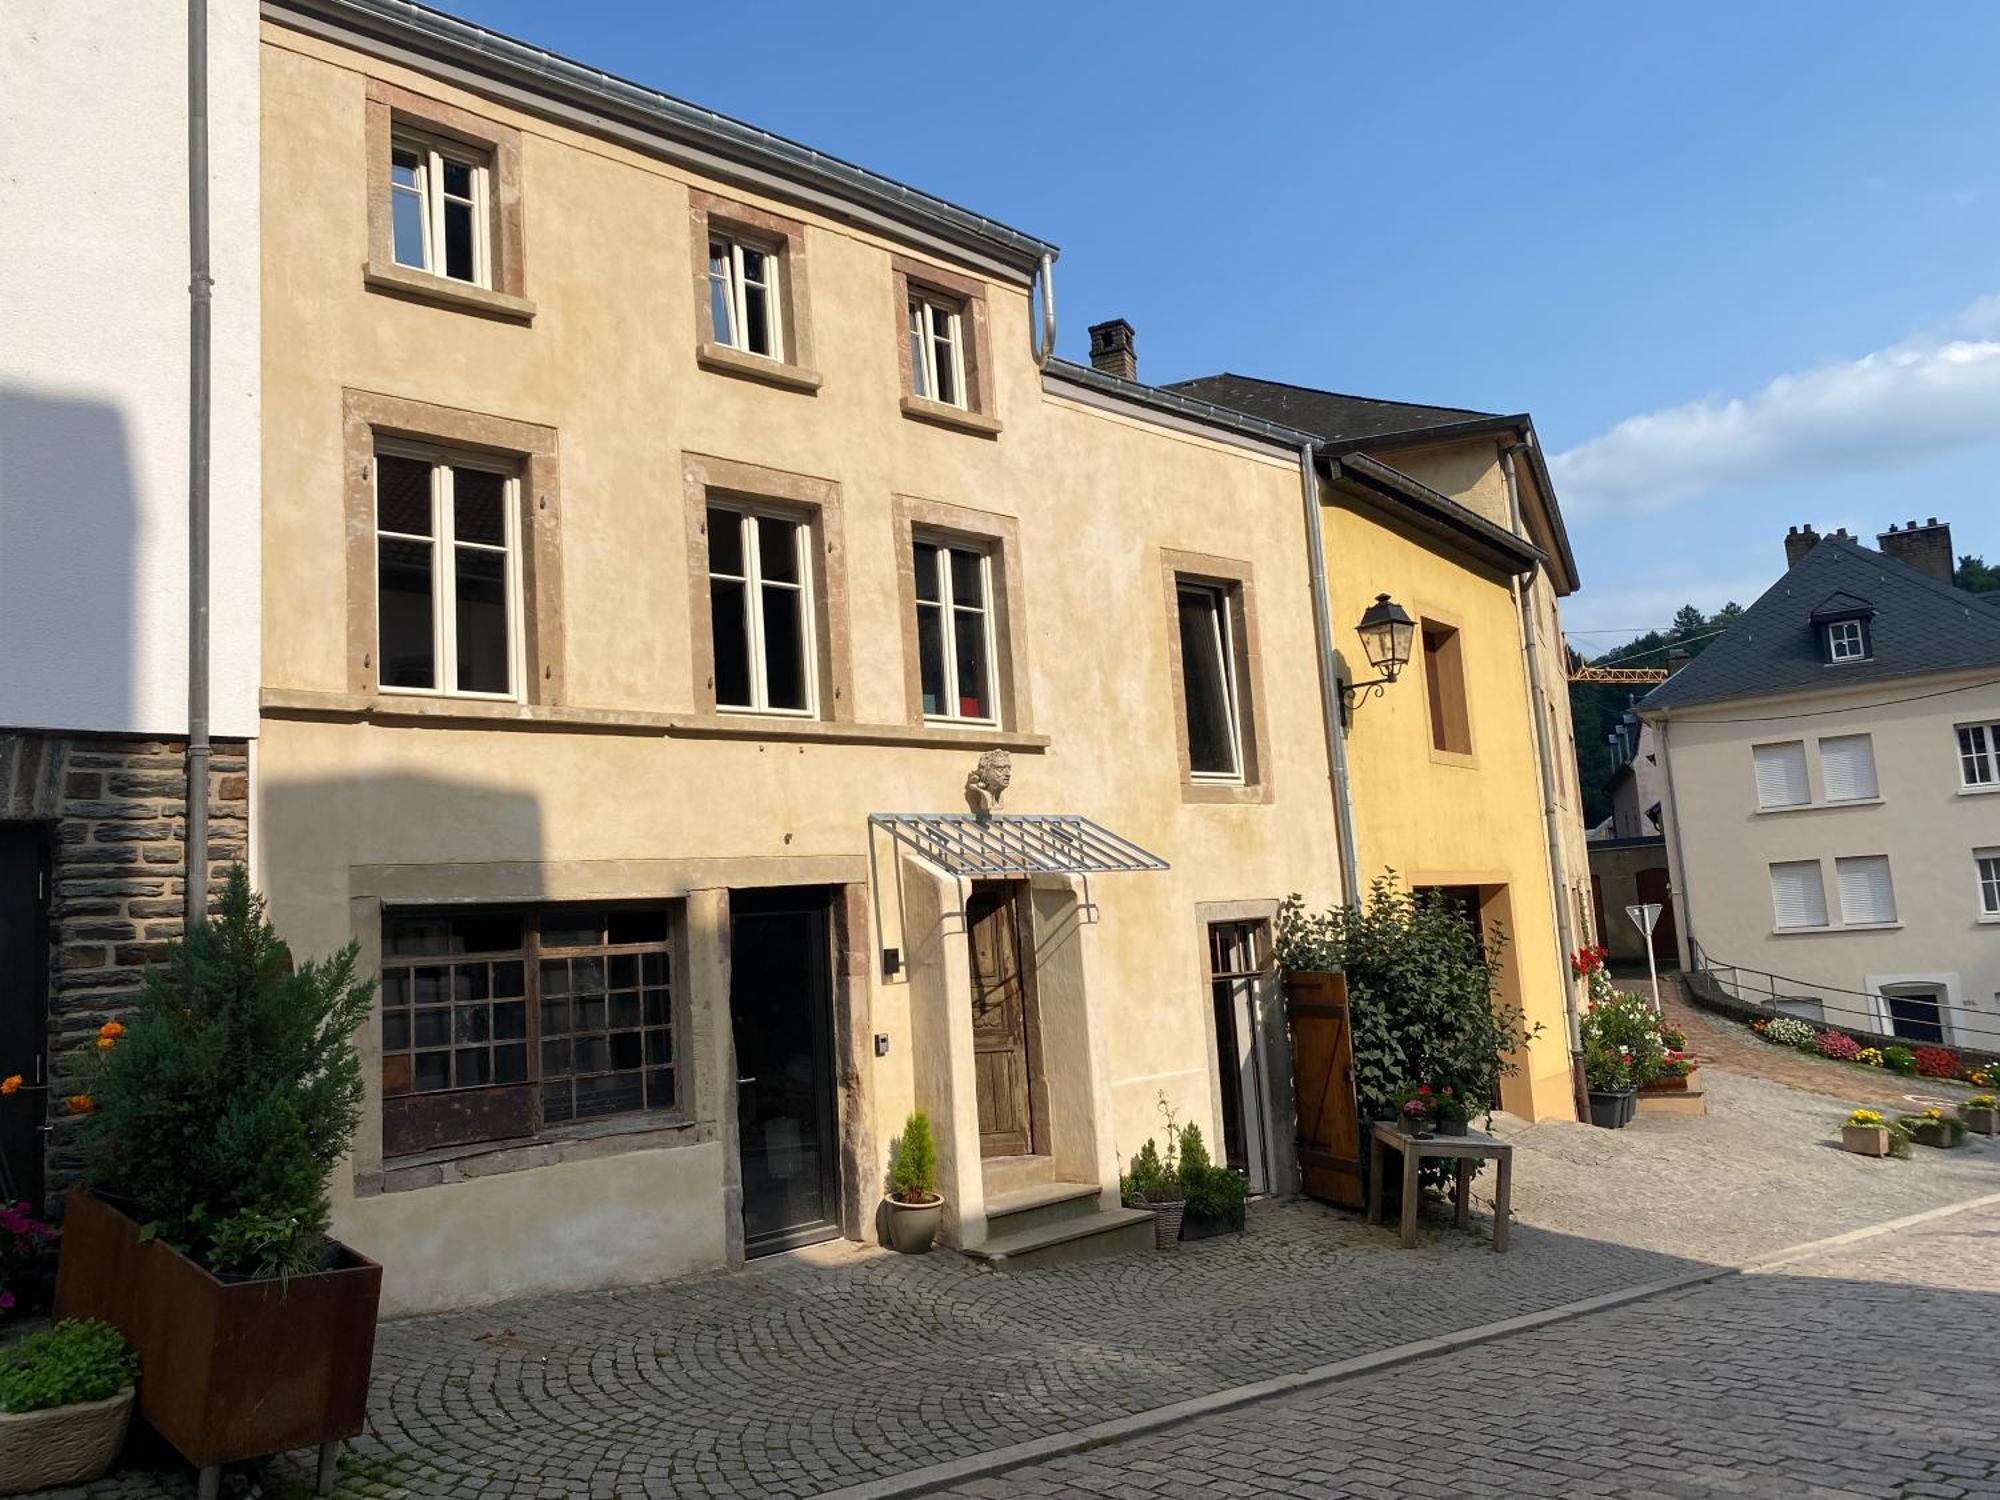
(1107, 1231)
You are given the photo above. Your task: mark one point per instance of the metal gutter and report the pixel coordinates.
(592, 99)
(1329, 685)
(200, 293)
(1679, 885)
(1185, 412)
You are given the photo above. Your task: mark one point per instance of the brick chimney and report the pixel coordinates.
(1798, 542)
(1111, 349)
(1926, 548)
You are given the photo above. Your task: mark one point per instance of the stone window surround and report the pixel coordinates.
(785, 239)
(818, 502)
(1237, 580)
(978, 416)
(390, 107)
(367, 415)
(999, 536)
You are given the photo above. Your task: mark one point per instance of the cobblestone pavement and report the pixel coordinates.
(1864, 1372)
(830, 1367)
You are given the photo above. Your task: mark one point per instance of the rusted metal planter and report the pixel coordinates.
(228, 1370)
(1686, 1083)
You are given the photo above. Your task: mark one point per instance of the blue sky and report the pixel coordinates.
(1741, 262)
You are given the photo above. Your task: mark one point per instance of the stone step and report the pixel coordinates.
(1112, 1231)
(1038, 1204)
(1685, 1102)
(1010, 1174)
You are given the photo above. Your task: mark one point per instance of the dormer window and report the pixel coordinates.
(1842, 623)
(1846, 640)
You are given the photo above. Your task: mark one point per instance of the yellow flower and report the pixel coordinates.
(1933, 1114)
(106, 1043)
(80, 1104)
(11, 1084)
(1865, 1117)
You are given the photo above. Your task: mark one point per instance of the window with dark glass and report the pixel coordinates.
(955, 632)
(743, 297)
(446, 589)
(937, 350)
(1847, 640)
(438, 208)
(1209, 683)
(760, 610)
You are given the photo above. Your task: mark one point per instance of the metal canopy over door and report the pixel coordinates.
(999, 1020)
(781, 1013)
(23, 1006)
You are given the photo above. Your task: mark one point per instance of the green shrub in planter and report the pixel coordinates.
(1212, 1192)
(1900, 1060)
(77, 1360)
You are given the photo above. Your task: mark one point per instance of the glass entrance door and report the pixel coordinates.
(780, 1004)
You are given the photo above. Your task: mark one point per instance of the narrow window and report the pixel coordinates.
(1866, 896)
(955, 632)
(1847, 768)
(1444, 687)
(1846, 640)
(1236, 967)
(1208, 668)
(1988, 861)
(937, 353)
(743, 297)
(1781, 775)
(438, 209)
(1798, 895)
(760, 604)
(1976, 745)
(447, 589)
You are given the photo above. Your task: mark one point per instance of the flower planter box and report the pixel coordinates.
(1613, 1110)
(1865, 1140)
(230, 1370)
(1206, 1226)
(1687, 1083)
(62, 1445)
(1943, 1135)
(1167, 1218)
(1980, 1121)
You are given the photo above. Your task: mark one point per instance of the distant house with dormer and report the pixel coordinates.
(1830, 770)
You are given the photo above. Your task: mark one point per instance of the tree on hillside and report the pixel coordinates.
(1974, 576)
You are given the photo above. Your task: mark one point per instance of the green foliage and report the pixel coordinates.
(1621, 1042)
(1422, 987)
(1932, 1129)
(1895, 1059)
(77, 1360)
(1150, 1180)
(1211, 1191)
(913, 1162)
(233, 1093)
(1974, 576)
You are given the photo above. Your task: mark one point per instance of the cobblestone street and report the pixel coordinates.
(839, 1366)
(1865, 1371)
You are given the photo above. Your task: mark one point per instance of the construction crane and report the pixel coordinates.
(1583, 671)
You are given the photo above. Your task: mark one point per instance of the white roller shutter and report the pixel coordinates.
(1798, 896)
(1781, 775)
(1847, 768)
(1865, 893)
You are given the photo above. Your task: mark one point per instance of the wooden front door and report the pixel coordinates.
(1323, 1086)
(1652, 885)
(999, 1021)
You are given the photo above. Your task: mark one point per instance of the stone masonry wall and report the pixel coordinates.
(113, 808)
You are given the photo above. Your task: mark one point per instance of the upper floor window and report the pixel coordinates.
(448, 616)
(1781, 774)
(937, 349)
(1846, 640)
(743, 300)
(438, 208)
(1978, 755)
(761, 610)
(955, 632)
(1847, 768)
(1210, 688)
(1444, 689)
(1988, 863)
(1798, 895)
(1867, 896)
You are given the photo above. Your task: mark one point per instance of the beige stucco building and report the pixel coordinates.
(662, 523)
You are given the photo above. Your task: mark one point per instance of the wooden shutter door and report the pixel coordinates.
(1323, 1088)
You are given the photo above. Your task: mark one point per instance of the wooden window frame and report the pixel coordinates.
(754, 582)
(977, 413)
(707, 480)
(999, 538)
(791, 365)
(434, 152)
(372, 421)
(1447, 692)
(396, 115)
(1236, 580)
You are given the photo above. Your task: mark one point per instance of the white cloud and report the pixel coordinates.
(1886, 410)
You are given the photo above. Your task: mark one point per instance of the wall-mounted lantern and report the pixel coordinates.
(1386, 632)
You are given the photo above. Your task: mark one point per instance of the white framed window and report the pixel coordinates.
(1798, 895)
(1987, 861)
(438, 208)
(1978, 753)
(1866, 895)
(743, 301)
(447, 567)
(955, 649)
(1781, 774)
(761, 610)
(1847, 768)
(1846, 640)
(1209, 687)
(937, 349)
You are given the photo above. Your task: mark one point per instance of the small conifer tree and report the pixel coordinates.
(913, 1164)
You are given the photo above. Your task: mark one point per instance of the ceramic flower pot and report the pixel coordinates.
(1865, 1140)
(63, 1445)
(913, 1227)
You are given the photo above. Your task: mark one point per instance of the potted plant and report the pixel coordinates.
(213, 1120)
(65, 1401)
(1621, 1052)
(1451, 1110)
(1154, 1183)
(1214, 1195)
(1934, 1128)
(25, 1259)
(1676, 1075)
(914, 1204)
(1981, 1113)
(1865, 1133)
(1415, 1111)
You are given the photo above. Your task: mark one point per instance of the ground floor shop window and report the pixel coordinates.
(496, 1023)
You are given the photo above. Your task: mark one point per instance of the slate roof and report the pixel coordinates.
(1330, 415)
(1920, 626)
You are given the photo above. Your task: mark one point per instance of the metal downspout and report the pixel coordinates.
(1042, 340)
(195, 872)
(1329, 684)
(1545, 764)
(1680, 884)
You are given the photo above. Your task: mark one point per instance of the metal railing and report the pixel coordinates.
(1787, 995)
